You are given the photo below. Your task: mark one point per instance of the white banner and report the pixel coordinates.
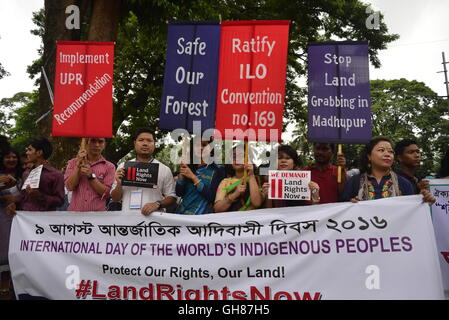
(379, 249)
(440, 217)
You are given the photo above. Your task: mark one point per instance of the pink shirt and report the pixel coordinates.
(84, 197)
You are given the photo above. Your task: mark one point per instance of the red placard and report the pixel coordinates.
(251, 86)
(83, 89)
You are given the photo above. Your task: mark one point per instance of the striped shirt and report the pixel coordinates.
(84, 196)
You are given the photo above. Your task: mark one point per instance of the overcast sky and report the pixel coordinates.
(423, 27)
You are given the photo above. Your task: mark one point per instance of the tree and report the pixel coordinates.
(140, 28)
(401, 109)
(24, 105)
(100, 21)
(140, 55)
(407, 109)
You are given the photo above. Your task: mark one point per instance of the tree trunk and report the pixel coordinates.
(103, 23)
(103, 26)
(104, 20)
(55, 29)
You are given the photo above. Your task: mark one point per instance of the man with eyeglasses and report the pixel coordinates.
(90, 177)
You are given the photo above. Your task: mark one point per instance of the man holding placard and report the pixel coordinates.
(90, 177)
(326, 174)
(136, 187)
(43, 189)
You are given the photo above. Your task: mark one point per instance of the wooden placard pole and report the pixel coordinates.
(186, 156)
(83, 144)
(340, 151)
(245, 173)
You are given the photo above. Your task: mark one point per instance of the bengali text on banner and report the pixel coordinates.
(440, 218)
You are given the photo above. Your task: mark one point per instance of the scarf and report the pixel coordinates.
(389, 189)
(244, 204)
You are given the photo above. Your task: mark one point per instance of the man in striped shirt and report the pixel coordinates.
(89, 176)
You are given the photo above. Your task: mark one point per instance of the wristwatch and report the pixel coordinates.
(159, 203)
(92, 176)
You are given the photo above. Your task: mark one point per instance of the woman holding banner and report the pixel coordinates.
(197, 184)
(288, 159)
(377, 179)
(233, 194)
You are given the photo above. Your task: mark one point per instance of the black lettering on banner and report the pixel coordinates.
(382, 224)
(39, 229)
(349, 224)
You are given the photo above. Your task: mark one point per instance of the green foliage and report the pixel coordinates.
(400, 109)
(409, 109)
(22, 107)
(34, 69)
(5, 125)
(141, 46)
(141, 50)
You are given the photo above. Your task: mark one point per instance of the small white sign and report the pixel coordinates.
(135, 201)
(289, 185)
(33, 178)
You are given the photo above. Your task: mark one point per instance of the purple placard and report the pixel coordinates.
(191, 75)
(339, 92)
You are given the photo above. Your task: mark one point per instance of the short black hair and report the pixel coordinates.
(333, 146)
(44, 145)
(291, 153)
(401, 145)
(142, 130)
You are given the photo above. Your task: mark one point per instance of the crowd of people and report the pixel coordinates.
(91, 183)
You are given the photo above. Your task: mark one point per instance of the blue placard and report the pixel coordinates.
(191, 75)
(339, 92)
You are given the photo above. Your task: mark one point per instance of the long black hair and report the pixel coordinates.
(4, 149)
(19, 169)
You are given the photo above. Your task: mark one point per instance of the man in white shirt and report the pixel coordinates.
(146, 200)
